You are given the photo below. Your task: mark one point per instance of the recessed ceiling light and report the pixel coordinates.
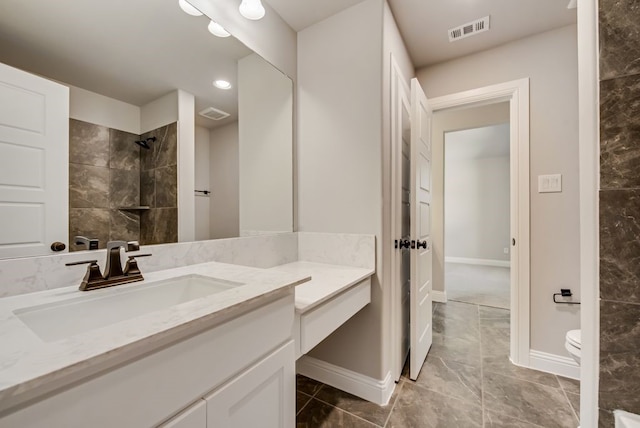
(252, 9)
(222, 84)
(217, 29)
(187, 8)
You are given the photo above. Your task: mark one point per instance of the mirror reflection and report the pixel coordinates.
(142, 99)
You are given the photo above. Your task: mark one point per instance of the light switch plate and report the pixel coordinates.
(550, 183)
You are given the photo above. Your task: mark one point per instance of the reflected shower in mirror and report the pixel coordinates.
(142, 94)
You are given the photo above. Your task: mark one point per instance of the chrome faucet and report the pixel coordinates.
(113, 272)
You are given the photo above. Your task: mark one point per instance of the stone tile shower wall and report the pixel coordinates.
(619, 208)
(159, 187)
(104, 175)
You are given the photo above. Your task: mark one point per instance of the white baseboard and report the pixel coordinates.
(439, 296)
(556, 364)
(365, 387)
(483, 262)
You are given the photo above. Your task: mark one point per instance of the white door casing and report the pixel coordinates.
(421, 255)
(34, 163)
(517, 94)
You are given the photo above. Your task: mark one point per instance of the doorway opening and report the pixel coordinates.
(476, 206)
(516, 95)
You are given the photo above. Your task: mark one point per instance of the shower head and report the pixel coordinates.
(145, 143)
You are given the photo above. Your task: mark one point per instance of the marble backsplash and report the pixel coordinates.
(27, 275)
(619, 383)
(338, 249)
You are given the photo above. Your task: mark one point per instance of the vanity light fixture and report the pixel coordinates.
(252, 9)
(188, 9)
(217, 29)
(222, 84)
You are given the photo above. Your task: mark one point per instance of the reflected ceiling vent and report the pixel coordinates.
(470, 29)
(213, 113)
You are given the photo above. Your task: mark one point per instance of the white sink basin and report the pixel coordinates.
(54, 321)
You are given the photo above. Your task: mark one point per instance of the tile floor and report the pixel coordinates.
(482, 285)
(467, 381)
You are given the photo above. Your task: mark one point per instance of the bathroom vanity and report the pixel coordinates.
(208, 344)
(218, 357)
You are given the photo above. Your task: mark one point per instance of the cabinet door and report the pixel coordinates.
(194, 416)
(262, 396)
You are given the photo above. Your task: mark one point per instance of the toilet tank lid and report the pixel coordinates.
(574, 338)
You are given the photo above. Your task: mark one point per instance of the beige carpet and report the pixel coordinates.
(481, 285)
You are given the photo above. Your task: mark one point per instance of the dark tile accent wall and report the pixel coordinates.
(619, 208)
(619, 132)
(619, 35)
(159, 187)
(104, 175)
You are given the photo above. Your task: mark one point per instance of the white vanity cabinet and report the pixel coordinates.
(195, 416)
(261, 396)
(238, 370)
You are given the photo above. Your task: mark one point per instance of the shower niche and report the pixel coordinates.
(122, 186)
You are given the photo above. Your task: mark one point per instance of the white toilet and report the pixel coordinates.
(573, 344)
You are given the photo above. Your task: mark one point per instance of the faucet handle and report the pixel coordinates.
(92, 278)
(131, 267)
(82, 262)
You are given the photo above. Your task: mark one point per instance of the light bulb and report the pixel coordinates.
(187, 8)
(217, 29)
(222, 84)
(252, 9)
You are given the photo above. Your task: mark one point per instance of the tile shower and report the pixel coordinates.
(109, 175)
(619, 386)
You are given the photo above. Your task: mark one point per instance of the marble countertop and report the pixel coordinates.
(30, 366)
(326, 282)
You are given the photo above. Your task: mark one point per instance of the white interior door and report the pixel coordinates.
(34, 163)
(421, 252)
(400, 218)
(405, 227)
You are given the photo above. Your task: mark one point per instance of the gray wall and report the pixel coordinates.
(265, 111)
(476, 206)
(549, 60)
(344, 159)
(619, 208)
(339, 165)
(224, 180)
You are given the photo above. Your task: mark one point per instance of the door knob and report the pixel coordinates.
(58, 246)
(422, 244)
(402, 243)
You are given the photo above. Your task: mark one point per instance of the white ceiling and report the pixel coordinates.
(477, 143)
(424, 23)
(117, 49)
(300, 14)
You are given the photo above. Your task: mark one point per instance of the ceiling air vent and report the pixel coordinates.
(213, 113)
(469, 29)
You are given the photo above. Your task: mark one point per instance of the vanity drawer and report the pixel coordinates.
(315, 325)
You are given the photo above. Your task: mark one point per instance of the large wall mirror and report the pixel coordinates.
(141, 77)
